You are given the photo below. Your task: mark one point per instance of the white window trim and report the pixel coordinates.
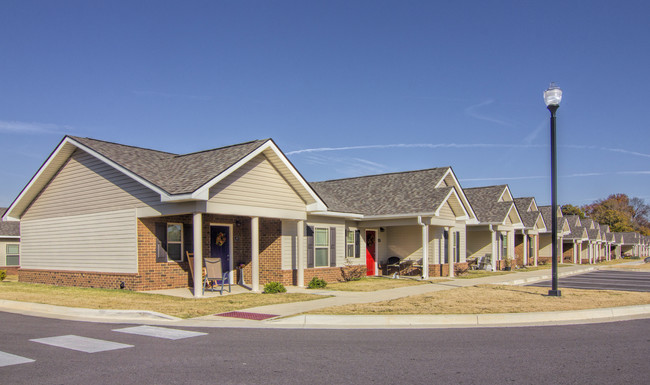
(327, 248)
(175, 242)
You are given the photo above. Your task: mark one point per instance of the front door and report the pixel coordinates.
(220, 245)
(370, 252)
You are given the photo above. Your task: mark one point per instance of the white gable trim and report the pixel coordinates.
(460, 194)
(202, 193)
(452, 192)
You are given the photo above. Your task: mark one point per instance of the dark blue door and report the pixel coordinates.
(220, 245)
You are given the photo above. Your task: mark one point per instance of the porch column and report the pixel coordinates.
(255, 253)
(575, 251)
(495, 256)
(450, 251)
(300, 254)
(197, 227)
(523, 233)
(425, 251)
(536, 247)
(560, 252)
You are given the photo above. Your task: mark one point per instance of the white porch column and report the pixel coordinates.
(450, 251)
(536, 247)
(255, 253)
(425, 250)
(495, 256)
(523, 232)
(300, 253)
(197, 227)
(575, 251)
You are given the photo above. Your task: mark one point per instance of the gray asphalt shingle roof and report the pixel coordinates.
(8, 229)
(486, 205)
(173, 173)
(529, 218)
(407, 192)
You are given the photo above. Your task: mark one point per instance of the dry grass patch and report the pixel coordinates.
(494, 299)
(639, 267)
(379, 283)
(130, 300)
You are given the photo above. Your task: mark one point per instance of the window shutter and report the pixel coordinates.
(446, 246)
(457, 242)
(161, 242)
(188, 240)
(310, 246)
(357, 244)
(332, 246)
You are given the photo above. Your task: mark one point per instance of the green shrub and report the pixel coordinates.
(317, 283)
(3, 275)
(274, 287)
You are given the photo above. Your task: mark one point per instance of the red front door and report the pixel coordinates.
(370, 252)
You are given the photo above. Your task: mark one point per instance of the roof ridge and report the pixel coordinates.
(387, 173)
(176, 156)
(121, 144)
(494, 185)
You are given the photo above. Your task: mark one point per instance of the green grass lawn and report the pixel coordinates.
(130, 300)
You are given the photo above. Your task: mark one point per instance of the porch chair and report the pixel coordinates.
(486, 262)
(393, 262)
(190, 261)
(215, 273)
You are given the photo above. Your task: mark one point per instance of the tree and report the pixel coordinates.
(569, 209)
(621, 213)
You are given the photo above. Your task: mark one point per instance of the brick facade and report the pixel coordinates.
(10, 270)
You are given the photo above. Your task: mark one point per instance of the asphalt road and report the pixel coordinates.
(608, 353)
(604, 280)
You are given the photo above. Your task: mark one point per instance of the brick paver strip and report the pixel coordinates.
(246, 315)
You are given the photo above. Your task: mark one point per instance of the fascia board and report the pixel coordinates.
(453, 192)
(337, 214)
(10, 236)
(461, 194)
(202, 192)
(397, 216)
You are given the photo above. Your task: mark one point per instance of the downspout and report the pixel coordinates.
(425, 248)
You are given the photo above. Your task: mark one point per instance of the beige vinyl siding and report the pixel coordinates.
(101, 242)
(86, 185)
(406, 242)
(545, 246)
(478, 243)
(289, 246)
(446, 212)
(257, 184)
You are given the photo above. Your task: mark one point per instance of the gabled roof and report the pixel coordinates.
(175, 177)
(530, 216)
(8, 229)
(578, 233)
(562, 223)
(488, 205)
(594, 234)
(410, 192)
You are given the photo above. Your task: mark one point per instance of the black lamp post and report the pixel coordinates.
(552, 98)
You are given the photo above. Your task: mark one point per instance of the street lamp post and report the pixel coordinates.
(552, 98)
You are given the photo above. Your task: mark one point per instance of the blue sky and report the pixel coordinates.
(345, 88)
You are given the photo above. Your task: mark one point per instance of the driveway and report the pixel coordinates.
(604, 280)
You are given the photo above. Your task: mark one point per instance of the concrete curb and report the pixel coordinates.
(54, 311)
(547, 277)
(466, 320)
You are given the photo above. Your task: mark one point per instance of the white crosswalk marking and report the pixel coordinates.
(82, 344)
(7, 359)
(154, 331)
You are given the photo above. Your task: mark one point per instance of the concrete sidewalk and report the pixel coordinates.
(291, 317)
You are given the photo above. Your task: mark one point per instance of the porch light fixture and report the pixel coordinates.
(552, 98)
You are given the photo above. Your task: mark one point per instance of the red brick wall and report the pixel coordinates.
(10, 270)
(519, 250)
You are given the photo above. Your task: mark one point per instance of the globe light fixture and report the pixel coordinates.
(552, 98)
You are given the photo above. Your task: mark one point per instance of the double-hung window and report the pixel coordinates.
(349, 244)
(13, 255)
(321, 246)
(175, 241)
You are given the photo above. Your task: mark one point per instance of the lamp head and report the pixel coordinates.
(553, 95)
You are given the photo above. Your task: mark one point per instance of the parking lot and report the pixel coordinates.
(604, 280)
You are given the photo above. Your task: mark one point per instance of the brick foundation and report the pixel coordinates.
(10, 270)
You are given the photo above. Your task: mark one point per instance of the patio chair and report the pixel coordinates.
(393, 262)
(215, 274)
(486, 262)
(190, 262)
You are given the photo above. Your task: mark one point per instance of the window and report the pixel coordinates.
(321, 246)
(457, 246)
(504, 245)
(175, 241)
(13, 257)
(352, 244)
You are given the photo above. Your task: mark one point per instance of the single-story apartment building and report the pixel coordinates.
(9, 245)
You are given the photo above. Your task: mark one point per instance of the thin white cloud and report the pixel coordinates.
(634, 172)
(170, 95)
(474, 113)
(619, 150)
(533, 135)
(503, 178)
(409, 145)
(16, 127)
